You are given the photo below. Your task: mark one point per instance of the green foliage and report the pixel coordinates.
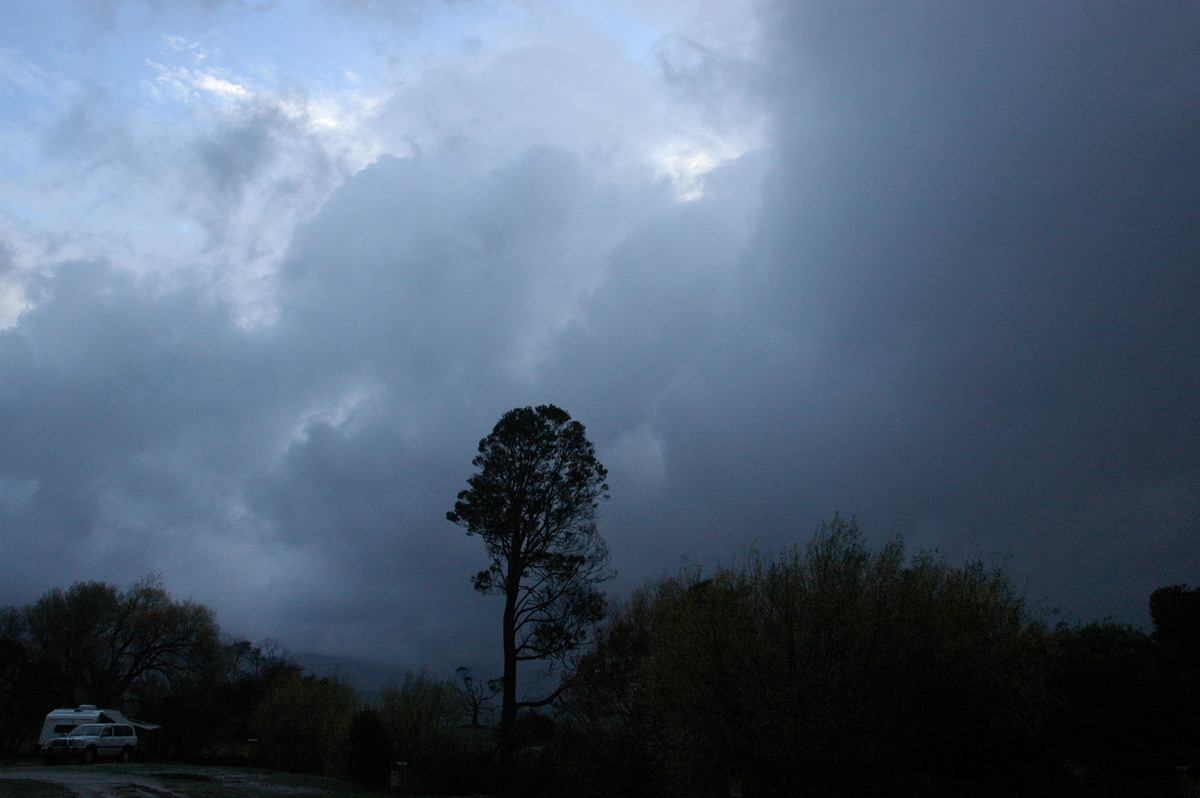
(207, 717)
(833, 667)
(421, 714)
(303, 724)
(605, 689)
(427, 720)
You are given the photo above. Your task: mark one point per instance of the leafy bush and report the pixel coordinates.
(303, 724)
(830, 667)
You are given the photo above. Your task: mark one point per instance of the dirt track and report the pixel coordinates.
(94, 781)
(161, 780)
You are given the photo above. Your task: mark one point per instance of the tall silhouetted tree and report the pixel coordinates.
(534, 502)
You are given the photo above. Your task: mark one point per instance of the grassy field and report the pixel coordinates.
(34, 788)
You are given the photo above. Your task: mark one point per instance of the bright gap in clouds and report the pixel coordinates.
(194, 139)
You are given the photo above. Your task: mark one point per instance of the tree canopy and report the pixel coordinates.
(830, 666)
(103, 640)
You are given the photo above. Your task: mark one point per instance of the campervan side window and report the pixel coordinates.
(64, 728)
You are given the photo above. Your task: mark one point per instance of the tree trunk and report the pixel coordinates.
(508, 686)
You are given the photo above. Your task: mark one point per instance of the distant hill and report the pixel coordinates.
(368, 678)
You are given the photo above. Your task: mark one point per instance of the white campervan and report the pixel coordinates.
(61, 722)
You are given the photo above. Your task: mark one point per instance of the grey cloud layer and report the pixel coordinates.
(956, 295)
(993, 213)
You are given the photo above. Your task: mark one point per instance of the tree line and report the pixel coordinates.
(830, 668)
(220, 699)
(835, 670)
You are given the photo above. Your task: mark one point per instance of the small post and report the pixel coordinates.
(399, 778)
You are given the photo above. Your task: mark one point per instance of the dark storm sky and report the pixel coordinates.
(268, 275)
